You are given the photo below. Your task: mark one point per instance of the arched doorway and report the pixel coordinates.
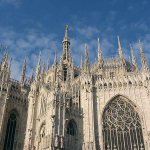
(10, 132)
(71, 141)
(122, 128)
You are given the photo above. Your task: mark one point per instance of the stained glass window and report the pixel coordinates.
(122, 126)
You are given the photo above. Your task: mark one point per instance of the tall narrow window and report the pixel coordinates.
(65, 73)
(10, 132)
(122, 128)
(71, 138)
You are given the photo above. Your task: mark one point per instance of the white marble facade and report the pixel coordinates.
(100, 106)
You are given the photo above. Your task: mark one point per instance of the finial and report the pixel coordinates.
(86, 58)
(133, 58)
(32, 76)
(48, 63)
(119, 44)
(38, 68)
(141, 46)
(119, 48)
(66, 31)
(132, 53)
(39, 59)
(81, 63)
(86, 54)
(99, 51)
(9, 68)
(55, 58)
(66, 37)
(10, 63)
(23, 73)
(86, 51)
(43, 68)
(4, 59)
(143, 59)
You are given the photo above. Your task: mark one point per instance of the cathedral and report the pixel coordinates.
(99, 106)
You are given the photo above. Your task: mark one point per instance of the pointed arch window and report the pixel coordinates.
(72, 128)
(122, 129)
(71, 138)
(10, 132)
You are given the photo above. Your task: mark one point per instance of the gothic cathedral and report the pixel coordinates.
(100, 106)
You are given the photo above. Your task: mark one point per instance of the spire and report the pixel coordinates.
(143, 59)
(38, 68)
(48, 63)
(99, 51)
(23, 73)
(119, 48)
(10, 63)
(66, 45)
(42, 72)
(43, 68)
(4, 60)
(32, 76)
(86, 58)
(133, 58)
(86, 54)
(55, 58)
(81, 63)
(9, 68)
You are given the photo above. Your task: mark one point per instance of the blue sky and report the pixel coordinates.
(26, 26)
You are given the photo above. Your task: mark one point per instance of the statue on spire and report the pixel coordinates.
(66, 33)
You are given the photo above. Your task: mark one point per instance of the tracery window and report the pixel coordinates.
(10, 132)
(122, 126)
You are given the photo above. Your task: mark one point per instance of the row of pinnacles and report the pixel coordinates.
(111, 65)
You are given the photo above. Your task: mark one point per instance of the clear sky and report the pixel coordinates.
(26, 26)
